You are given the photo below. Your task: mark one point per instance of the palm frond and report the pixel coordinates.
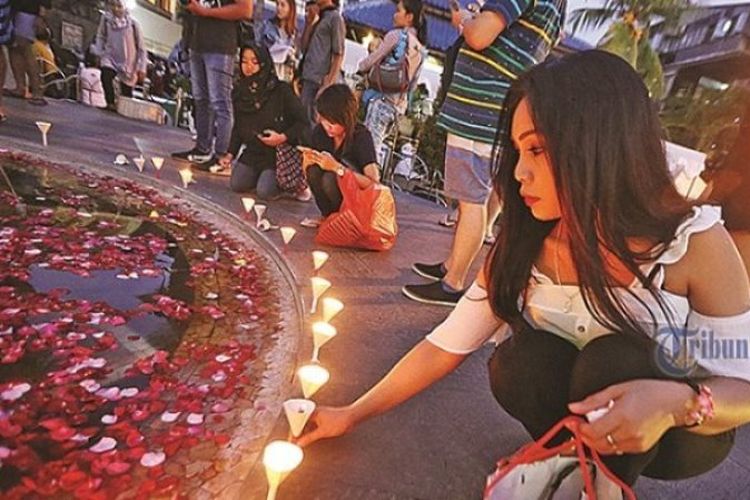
(591, 18)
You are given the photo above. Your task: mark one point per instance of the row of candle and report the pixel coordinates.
(280, 458)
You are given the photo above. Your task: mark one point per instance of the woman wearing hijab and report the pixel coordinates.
(120, 47)
(267, 115)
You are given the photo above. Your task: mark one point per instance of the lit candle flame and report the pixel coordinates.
(331, 307)
(322, 333)
(319, 287)
(279, 459)
(312, 377)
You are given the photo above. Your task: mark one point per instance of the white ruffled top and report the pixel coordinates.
(718, 344)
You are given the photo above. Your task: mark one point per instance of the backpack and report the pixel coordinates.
(391, 77)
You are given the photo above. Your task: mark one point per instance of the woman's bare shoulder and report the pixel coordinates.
(716, 277)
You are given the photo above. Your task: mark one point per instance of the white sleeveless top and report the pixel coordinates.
(560, 309)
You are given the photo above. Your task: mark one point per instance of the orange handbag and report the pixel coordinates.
(366, 219)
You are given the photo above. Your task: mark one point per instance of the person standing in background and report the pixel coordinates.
(324, 54)
(6, 35)
(504, 40)
(22, 61)
(278, 35)
(211, 31)
(122, 54)
(407, 40)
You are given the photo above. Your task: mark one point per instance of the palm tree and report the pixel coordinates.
(628, 37)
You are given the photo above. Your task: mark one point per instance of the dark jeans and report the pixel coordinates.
(247, 176)
(534, 374)
(307, 96)
(211, 78)
(325, 189)
(108, 82)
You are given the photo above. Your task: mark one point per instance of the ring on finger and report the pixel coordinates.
(611, 440)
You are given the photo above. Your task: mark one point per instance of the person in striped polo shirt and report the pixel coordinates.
(503, 40)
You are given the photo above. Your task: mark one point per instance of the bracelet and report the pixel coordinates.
(703, 405)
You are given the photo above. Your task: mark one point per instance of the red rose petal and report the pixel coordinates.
(117, 468)
(63, 433)
(72, 479)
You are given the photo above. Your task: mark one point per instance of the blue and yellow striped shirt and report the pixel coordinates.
(481, 79)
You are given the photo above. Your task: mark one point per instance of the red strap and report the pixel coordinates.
(536, 451)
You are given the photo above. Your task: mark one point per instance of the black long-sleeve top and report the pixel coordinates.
(282, 112)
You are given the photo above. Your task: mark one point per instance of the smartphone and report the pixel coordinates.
(454, 5)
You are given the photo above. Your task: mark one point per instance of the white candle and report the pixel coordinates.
(331, 307)
(298, 412)
(319, 287)
(322, 333)
(248, 203)
(140, 162)
(259, 210)
(287, 233)
(187, 176)
(319, 258)
(158, 162)
(279, 459)
(312, 377)
(44, 128)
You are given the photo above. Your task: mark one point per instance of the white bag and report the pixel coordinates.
(539, 473)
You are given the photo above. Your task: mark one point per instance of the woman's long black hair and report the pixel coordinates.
(604, 141)
(416, 9)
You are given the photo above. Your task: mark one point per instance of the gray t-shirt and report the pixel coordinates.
(212, 36)
(327, 39)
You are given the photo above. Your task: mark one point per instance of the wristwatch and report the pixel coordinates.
(340, 171)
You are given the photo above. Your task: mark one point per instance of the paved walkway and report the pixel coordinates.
(439, 445)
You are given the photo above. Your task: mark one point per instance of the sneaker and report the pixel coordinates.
(304, 196)
(194, 155)
(435, 272)
(432, 293)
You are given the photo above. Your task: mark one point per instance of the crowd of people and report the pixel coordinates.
(597, 254)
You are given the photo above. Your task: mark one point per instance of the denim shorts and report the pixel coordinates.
(468, 170)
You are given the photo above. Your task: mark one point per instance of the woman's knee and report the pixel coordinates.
(609, 360)
(529, 375)
(267, 188)
(243, 179)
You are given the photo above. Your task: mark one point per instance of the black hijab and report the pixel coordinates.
(252, 92)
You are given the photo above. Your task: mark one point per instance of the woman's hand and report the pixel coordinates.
(323, 159)
(329, 422)
(226, 160)
(272, 138)
(643, 411)
(372, 172)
